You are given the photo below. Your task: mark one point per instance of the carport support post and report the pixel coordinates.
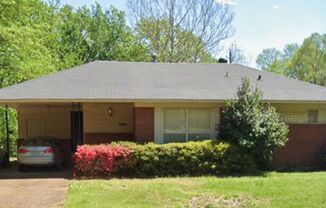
(7, 131)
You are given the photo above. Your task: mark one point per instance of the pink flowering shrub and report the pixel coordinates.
(102, 160)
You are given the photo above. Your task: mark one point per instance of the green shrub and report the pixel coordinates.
(253, 126)
(191, 158)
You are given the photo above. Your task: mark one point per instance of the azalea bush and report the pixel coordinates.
(102, 160)
(151, 160)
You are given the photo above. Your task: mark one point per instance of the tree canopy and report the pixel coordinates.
(38, 38)
(305, 62)
(156, 34)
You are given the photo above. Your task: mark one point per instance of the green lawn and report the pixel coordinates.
(274, 190)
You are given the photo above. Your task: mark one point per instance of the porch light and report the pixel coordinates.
(110, 111)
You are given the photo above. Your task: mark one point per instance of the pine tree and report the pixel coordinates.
(252, 125)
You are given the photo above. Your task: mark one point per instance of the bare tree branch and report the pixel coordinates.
(207, 20)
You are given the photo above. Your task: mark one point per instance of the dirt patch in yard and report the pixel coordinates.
(211, 201)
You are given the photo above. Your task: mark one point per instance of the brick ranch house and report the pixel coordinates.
(104, 101)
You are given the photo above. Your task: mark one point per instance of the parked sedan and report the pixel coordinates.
(40, 152)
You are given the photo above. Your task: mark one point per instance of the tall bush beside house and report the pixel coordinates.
(253, 126)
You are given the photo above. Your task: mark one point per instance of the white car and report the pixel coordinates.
(40, 152)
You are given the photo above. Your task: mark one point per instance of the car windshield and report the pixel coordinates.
(38, 142)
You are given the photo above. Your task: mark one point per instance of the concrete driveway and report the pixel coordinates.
(34, 189)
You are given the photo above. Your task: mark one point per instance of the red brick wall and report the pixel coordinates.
(144, 124)
(304, 146)
(100, 138)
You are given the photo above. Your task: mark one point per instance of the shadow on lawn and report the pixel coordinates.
(128, 176)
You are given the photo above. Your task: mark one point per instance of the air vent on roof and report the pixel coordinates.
(154, 57)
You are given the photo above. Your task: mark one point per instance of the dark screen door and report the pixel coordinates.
(77, 135)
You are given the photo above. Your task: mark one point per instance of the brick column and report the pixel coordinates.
(144, 124)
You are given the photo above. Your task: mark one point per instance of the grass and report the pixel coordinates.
(274, 190)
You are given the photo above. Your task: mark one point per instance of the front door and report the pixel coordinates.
(77, 132)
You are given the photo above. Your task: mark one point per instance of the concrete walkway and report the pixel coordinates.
(34, 189)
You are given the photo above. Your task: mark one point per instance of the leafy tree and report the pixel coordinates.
(70, 42)
(13, 130)
(156, 34)
(23, 51)
(253, 126)
(96, 34)
(269, 60)
(23, 30)
(305, 62)
(109, 38)
(309, 61)
(276, 61)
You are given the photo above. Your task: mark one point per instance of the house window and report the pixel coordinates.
(312, 116)
(181, 125)
(198, 124)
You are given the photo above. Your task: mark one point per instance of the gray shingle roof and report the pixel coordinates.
(127, 81)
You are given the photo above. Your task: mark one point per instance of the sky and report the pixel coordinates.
(260, 24)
